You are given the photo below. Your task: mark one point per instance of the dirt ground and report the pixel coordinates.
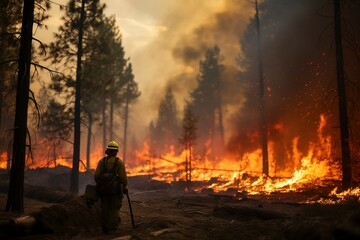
(165, 211)
(174, 214)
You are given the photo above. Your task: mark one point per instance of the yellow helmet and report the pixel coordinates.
(113, 146)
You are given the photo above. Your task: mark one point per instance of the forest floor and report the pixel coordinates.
(171, 213)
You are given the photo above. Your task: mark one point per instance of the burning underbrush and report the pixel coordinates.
(311, 176)
(314, 174)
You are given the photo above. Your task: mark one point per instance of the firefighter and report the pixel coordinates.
(111, 183)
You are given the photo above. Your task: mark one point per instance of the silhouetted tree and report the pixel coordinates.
(343, 114)
(263, 124)
(56, 125)
(15, 201)
(74, 181)
(131, 94)
(69, 49)
(117, 65)
(188, 138)
(10, 23)
(206, 99)
(166, 129)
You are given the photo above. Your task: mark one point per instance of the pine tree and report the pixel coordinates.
(10, 20)
(69, 48)
(188, 139)
(15, 201)
(343, 114)
(263, 123)
(130, 95)
(56, 125)
(166, 129)
(103, 67)
(99, 74)
(207, 102)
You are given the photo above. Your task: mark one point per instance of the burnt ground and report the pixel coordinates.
(167, 212)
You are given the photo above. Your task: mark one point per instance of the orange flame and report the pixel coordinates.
(314, 166)
(3, 160)
(240, 173)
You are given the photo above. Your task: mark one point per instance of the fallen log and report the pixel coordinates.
(245, 213)
(71, 218)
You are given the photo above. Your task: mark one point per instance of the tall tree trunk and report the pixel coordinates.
(263, 124)
(74, 184)
(15, 201)
(220, 118)
(126, 118)
(111, 124)
(54, 153)
(2, 146)
(1, 95)
(343, 115)
(88, 164)
(103, 112)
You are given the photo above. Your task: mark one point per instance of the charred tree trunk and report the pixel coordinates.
(15, 201)
(74, 183)
(263, 124)
(88, 145)
(343, 115)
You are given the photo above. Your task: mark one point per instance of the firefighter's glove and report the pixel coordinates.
(126, 191)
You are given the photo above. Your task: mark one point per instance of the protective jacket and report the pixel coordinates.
(111, 165)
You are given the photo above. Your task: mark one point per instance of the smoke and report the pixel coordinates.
(300, 78)
(165, 41)
(176, 35)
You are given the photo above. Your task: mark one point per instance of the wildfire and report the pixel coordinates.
(314, 166)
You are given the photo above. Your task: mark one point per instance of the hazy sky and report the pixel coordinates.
(155, 33)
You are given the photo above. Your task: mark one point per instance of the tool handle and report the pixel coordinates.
(131, 212)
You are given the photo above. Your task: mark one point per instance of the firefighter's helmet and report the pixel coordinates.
(113, 146)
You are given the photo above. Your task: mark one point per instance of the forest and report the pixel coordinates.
(258, 120)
